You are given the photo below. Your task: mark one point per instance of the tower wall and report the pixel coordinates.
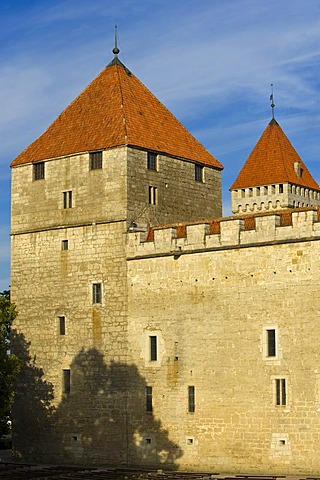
(77, 388)
(179, 196)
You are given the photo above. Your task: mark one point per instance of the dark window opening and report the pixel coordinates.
(153, 200)
(62, 325)
(153, 348)
(281, 392)
(38, 171)
(67, 199)
(96, 293)
(95, 159)
(64, 245)
(148, 399)
(271, 343)
(191, 399)
(280, 188)
(152, 161)
(66, 381)
(198, 173)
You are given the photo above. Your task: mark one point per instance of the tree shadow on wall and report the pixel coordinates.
(102, 420)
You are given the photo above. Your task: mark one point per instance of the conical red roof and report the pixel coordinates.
(116, 109)
(272, 161)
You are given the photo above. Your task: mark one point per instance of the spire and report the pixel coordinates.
(272, 101)
(115, 50)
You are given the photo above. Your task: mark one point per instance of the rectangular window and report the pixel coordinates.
(153, 348)
(271, 343)
(153, 200)
(38, 171)
(148, 399)
(66, 387)
(95, 160)
(152, 161)
(281, 392)
(191, 399)
(280, 188)
(198, 173)
(96, 293)
(258, 191)
(62, 325)
(64, 245)
(67, 199)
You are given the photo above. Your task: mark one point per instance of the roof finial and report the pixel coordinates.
(116, 49)
(272, 101)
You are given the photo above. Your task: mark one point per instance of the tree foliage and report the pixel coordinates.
(9, 363)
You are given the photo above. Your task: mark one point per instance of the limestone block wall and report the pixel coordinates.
(97, 195)
(177, 200)
(210, 299)
(48, 282)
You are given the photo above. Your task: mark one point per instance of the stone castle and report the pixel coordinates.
(156, 333)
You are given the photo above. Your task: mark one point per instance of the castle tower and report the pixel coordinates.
(115, 160)
(274, 177)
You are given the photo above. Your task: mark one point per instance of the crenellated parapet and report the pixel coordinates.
(231, 232)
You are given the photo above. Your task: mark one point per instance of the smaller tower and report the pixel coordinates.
(274, 176)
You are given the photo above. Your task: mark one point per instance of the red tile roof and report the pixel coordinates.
(272, 161)
(116, 109)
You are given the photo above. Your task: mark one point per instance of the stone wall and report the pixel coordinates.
(210, 299)
(49, 283)
(179, 197)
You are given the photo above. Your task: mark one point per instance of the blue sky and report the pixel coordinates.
(211, 62)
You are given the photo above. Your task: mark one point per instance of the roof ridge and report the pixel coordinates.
(117, 62)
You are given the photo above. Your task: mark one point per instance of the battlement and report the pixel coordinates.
(225, 233)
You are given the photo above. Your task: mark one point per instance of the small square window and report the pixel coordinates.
(64, 245)
(153, 195)
(95, 160)
(67, 199)
(38, 171)
(191, 399)
(198, 173)
(62, 325)
(152, 161)
(96, 293)
(66, 379)
(149, 399)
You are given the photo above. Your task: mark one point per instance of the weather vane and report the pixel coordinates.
(272, 101)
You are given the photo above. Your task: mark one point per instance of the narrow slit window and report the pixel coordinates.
(153, 348)
(152, 161)
(153, 195)
(198, 173)
(96, 293)
(62, 325)
(67, 199)
(64, 245)
(38, 171)
(271, 343)
(95, 160)
(148, 399)
(191, 399)
(66, 378)
(281, 392)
